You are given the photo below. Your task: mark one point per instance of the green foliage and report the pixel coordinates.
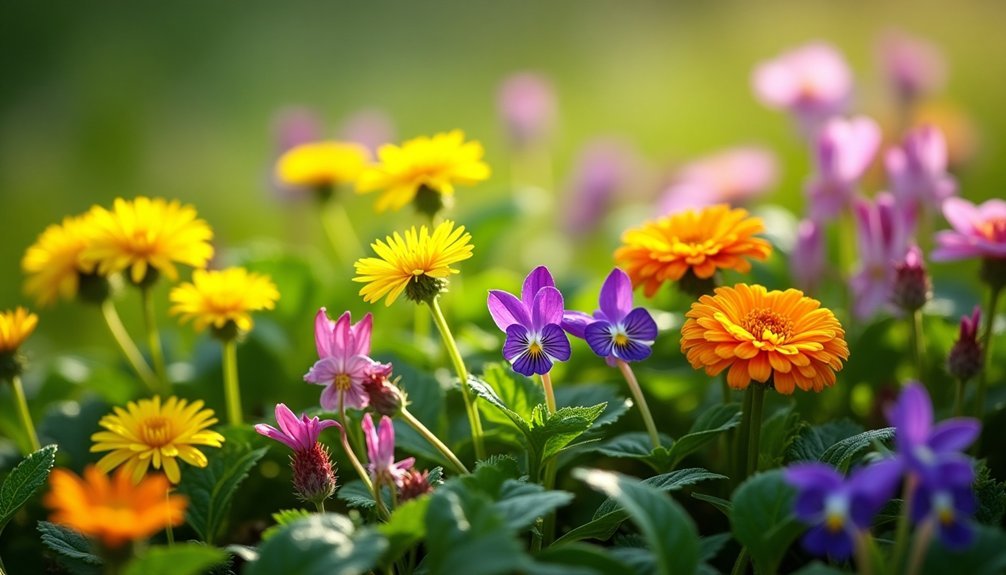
(778, 432)
(520, 503)
(284, 517)
(73, 551)
(405, 528)
(324, 544)
(818, 568)
(846, 452)
(179, 559)
(24, 480)
(706, 428)
(987, 556)
(811, 442)
(520, 394)
(762, 519)
(577, 559)
(991, 496)
(594, 394)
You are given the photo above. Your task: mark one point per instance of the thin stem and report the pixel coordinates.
(901, 531)
(983, 379)
(434, 440)
(320, 505)
(740, 565)
(127, 345)
(548, 524)
(754, 433)
(918, 344)
(154, 340)
(459, 366)
(339, 230)
(23, 413)
(637, 394)
(959, 398)
(354, 432)
(232, 390)
(864, 565)
(379, 499)
(740, 457)
(354, 461)
(922, 538)
(546, 382)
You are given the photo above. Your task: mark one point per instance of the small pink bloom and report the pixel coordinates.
(527, 107)
(913, 67)
(343, 363)
(733, 176)
(371, 128)
(844, 150)
(602, 170)
(299, 434)
(918, 170)
(966, 356)
(807, 261)
(292, 127)
(381, 452)
(978, 231)
(813, 82)
(882, 231)
(912, 285)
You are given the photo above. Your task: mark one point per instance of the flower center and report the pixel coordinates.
(156, 431)
(943, 505)
(535, 349)
(621, 339)
(836, 509)
(993, 230)
(343, 381)
(767, 325)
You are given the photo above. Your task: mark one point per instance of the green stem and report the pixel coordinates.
(637, 394)
(459, 366)
(740, 565)
(355, 461)
(861, 549)
(548, 524)
(754, 432)
(320, 505)
(23, 413)
(901, 532)
(355, 439)
(339, 230)
(128, 346)
(990, 319)
(918, 344)
(379, 500)
(434, 440)
(740, 457)
(154, 340)
(232, 390)
(922, 538)
(959, 398)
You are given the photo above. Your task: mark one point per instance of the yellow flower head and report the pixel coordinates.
(762, 334)
(15, 327)
(112, 509)
(322, 164)
(436, 163)
(218, 298)
(143, 234)
(418, 264)
(150, 433)
(716, 237)
(53, 264)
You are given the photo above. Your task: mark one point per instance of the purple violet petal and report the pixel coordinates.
(506, 310)
(575, 322)
(639, 326)
(323, 333)
(537, 279)
(954, 434)
(616, 296)
(912, 416)
(632, 351)
(555, 343)
(598, 337)
(517, 341)
(548, 308)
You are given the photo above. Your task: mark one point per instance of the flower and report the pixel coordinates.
(146, 236)
(617, 331)
(223, 298)
(532, 324)
(813, 82)
(52, 265)
(965, 358)
(839, 509)
(381, 452)
(526, 103)
(370, 127)
(321, 164)
(762, 334)
(602, 169)
(414, 484)
(385, 397)
(844, 150)
(313, 477)
(419, 264)
(148, 432)
(978, 231)
(912, 286)
(731, 176)
(435, 164)
(951, 508)
(918, 170)
(15, 327)
(882, 231)
(807, 261)
(913, 67)
(299, 434)
(114, 509)
(700, 242)
(343, 365)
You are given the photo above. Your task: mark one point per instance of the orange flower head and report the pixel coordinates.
(761, 334)
(713, 238)
(113, 510)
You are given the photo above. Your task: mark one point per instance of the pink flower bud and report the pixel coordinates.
(966, 356)
(414, 484)
(912, 285)
(314, 480)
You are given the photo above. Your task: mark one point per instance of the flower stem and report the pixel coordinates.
(459, 366)
(127, 345)
(232, 390)
(740, 457)
(959, 398)
(901, 531)
(918, 344)
(990, 320)
(754, 431)
(548, 525)
(434, 440)
(154, 340)
(354, 461)
(23, 414)
(379, 500)
(922, 538)
(320, 505)
(637, 394)
(339, 230)
(546, 382)
(861, 549)
(740, 565)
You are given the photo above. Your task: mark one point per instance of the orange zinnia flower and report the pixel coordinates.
(113, 509)
(761, 334)
(702, 242)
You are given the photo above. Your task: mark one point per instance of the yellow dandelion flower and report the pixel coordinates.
(761, 334)
(714, 238)
(112, 509)
(53, 264)
(320, 164)
(149, 433)
(221, 297)
(417, 264)
(144, 235)
(15, 327)
(438, 164)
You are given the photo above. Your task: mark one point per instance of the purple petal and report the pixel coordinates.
(386, 438)
(554, 342)
(912, 416)
(506, 310)
(813, 475)
(639, 326)
(872, 487)
(961, 214)
(273, 433)
(822, 541)
(516, 343)
(575, 322)
(356, 397)
(288, 422)
(361, 335)
(537, 279)
(342, 335)
(599, 338)
(532, 364)
(547, 308)
(956, 536)
(809, 504)
(330, 398)
(323, 333)
(616, 296)
(952, 469)
(323, 371)
(632, 351)
(370, 435)
(954, 434)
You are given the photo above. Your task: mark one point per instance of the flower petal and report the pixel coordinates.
(323, 333)
(575, 322)
(912, 416)
(517, 341)
(616, 296)
(537, 279)
(954, 434)
(507, 310)
(599, 338)
(554, 342)
(639, 326)
(548, 308)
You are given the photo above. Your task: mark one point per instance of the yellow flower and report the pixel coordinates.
(216, 298)
(148, 433)
(147, 233)
(762, 334)
(437, 163)
(15, 327)
(113, 510)
(419, 264)
(53, 264)
(717, 237)
(321, 164)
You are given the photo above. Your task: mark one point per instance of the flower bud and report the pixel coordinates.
(965, 359)
(385, 397)
(414, 484)
(314, 479)
(912, 285)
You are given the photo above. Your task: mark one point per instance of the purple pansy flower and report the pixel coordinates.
(918, 170)
(381, 452)
(843, 151)
(617, 331)
(534, 338)
(882, 231)
(838, 509)
(343, 363)
(299, 434)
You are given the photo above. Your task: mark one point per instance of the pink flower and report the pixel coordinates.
(812, 82)
(966, 356)
(343, 363)
(918, 169)
(978, 231)
(844, 151)
(912, 286)
(603, 168)
(371, 128)
(527, 106)
(882, 232)
(381, 452)
(297, 434)
(313, 476)
(732, 176)
(913, 66)
(807, 259)
(292, 127)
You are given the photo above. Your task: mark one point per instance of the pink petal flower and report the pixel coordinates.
(978, 231)
(299, 434)
(812, 82)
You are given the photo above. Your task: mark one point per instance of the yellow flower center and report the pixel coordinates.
(994, 229)
(342, 382)
(157, 431)
(834, 522)
(535, 349)
(768, 325)
(621, 339)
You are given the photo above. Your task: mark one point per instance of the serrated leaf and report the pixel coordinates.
(24, 480)
(520, 394)
(284, 517)
(521, 503)
(180, 559)
(73, 551)
(634, 444)
(723, 505)
(577, 559)
(405, 528)
(323, 544)
(706, 428)
(762, 518)
(811, 442)
(669, 531)
(844, 453)
(777, 433)
(596, 394)
(485, 392)
(557, 430)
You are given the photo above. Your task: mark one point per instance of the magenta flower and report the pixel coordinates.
(807, 261)
(912, 286)
(617, 330)
(812, 82)
(882, 233)
(527, 107)
(313, 476)
(918, 170)
(381, 452)
(602, 170)
(299, 434)
(844, 150)
(534, 337)
(913, 66)
(733, 176)
(979, 231)
(343, 364)
(965, 358)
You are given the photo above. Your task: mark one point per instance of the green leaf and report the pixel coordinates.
(669, 531)
(762, 518)
(844, 453)
(577, 559)
(520, 394)
(550, 433)
(24, 480)
(73, 550)
(284, 517)
(818, 568)
(521, 503)
(991, 496)
(811, 442)
(723, 505)
(180, 559)
(405, 528)
(323, 544)
(986, 556)
(709, 547)
(211, 488)
(777, 433)
(574, 395)
(634, 444)
(706, 428)
(485, 391)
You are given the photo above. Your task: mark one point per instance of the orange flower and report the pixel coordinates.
(702, 242)
(113, 509)
(761, 334)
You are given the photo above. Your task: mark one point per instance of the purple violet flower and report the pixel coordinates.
(603, 169)
(534, 338)
(343, 364)
(617, 330)
(314, 478)
(979, 231)
(381, 452)
(918, 170)
(951, 509)
(299, 434)
(882, 231)
(807, 264)
(844, 150)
